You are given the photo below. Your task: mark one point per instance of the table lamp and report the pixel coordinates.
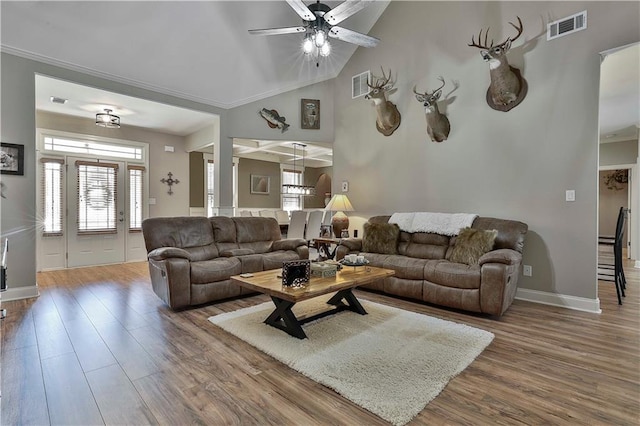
(339, 204)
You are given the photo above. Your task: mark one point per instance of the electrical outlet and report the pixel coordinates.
(527, 270)
(570, 195)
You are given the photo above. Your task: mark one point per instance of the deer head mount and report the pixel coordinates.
(507, 88)
(388, 116)
(437, 123)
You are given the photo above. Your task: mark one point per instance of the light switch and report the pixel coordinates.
(168, 148)
(152, 201)
(570, 194)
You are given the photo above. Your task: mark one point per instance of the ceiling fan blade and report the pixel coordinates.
(276, 31)
(302, 10)
(344, 10)
(354, 37)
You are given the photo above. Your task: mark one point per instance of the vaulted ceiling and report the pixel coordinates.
(198, 50)
(202, 51)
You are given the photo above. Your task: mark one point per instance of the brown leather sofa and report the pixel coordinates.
(424, 273)
(192, 258)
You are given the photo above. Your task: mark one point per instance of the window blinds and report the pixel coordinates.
(52, 196)
(135, 197)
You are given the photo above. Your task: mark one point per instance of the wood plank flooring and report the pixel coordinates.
(98, 347)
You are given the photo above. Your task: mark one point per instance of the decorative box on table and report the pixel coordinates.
(323, 270)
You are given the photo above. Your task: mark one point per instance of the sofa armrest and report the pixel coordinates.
(171, 281)
(237, 252)
(288, 244)
(353, 244)
(504, 256)
(347, 246)
(162, 253)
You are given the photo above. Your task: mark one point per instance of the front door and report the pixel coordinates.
(96, 212)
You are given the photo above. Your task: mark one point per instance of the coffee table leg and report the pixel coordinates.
(352, 302)
(284, 319)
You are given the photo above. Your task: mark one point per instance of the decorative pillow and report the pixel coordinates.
(471, 244)
(380, 238)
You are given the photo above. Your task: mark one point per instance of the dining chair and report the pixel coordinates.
(313, 225)
(297, 224)
(245, 213)
(268, 213)
(282, 217)
(615, 272)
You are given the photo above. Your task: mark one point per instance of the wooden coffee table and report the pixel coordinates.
(267, 282)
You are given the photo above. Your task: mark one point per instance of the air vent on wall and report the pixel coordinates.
(57, 100)
(568, 25)
(359, 85)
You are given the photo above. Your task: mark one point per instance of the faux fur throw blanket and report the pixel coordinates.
(439, 223)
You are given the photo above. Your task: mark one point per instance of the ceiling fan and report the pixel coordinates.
(319, 21)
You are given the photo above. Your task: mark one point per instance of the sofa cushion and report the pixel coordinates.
(406, 267)
(380, 238)
(455, 275)
(375, 259)
(471, 244)
(274, 259)
(423, 245)
(180, 232)
(209, 271)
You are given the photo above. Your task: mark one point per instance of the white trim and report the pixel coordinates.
(163, 90)
(637, 264)
(559, 300)
(17, 293)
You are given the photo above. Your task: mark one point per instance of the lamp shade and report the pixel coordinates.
(339, 222)
(339, 203)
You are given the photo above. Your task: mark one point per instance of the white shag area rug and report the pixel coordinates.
(391, 362)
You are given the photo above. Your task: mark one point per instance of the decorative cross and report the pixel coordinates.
(169, 182)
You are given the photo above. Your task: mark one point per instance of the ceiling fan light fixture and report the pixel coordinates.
(325, 50)
(321, 38)
(106, 119)
(307, 45)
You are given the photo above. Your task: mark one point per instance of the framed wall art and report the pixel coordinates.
(310, 113)
(260, 184)
(11, 159)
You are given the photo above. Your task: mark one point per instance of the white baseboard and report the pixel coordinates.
(560, 300)
(637, 264)
(17, 293)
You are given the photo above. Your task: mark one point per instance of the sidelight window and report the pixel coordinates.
(51, 193)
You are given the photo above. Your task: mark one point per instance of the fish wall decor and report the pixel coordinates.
(274, 119)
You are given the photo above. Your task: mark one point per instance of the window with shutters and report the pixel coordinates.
(52, 196)
(97, 197)
(136, 184)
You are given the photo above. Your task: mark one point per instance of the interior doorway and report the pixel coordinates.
(618, 149)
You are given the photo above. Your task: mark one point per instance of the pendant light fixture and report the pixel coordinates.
(106, 119)
(293, 189)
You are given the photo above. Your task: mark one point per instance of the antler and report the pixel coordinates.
(443, 83)
(518, 28)
(474, 44)
(378, 84)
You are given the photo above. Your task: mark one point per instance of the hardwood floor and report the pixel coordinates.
(99, 347)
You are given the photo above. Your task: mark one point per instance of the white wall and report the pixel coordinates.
(514, 165)
(244, 121)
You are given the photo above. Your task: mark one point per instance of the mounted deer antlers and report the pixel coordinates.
(437, 123)
(388, 116)
(507, 88)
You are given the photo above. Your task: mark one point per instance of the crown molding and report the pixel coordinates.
(163, 90)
